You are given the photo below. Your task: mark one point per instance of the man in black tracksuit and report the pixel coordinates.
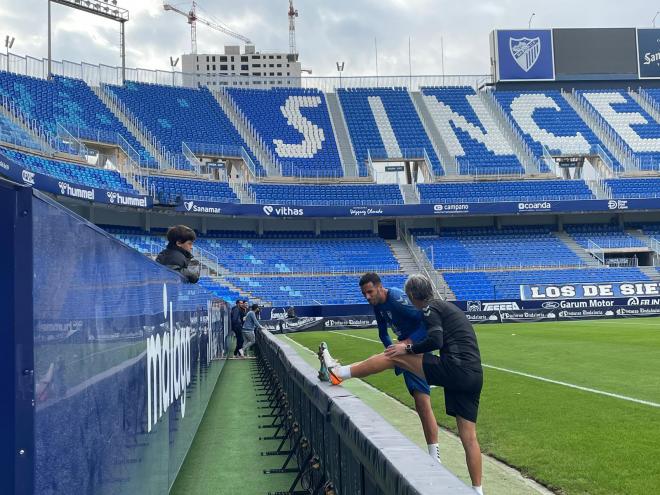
(178, 253)
(457, 370)
(237, 316)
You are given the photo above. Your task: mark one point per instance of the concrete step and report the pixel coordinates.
(262, 154)
(409, 193)
(448, 161)
(344, 143)
(650, 272)
(577, 249)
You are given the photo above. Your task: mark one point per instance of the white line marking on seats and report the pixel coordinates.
(540, 378)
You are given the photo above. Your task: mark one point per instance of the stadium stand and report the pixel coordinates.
(71, 172)
(638, 131)
(604, 236)
(648, 187)
(12, 133)
(470, 132)
(299, 255)
(73, 105)
(171, 190)
(310, 290)
(487, 248)
(383, 121)
(504, 285)
(367, 194)
(295, 125)
(545, 118)
(489, 191)
(178, 115)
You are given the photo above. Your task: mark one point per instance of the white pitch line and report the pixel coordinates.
(540, 378)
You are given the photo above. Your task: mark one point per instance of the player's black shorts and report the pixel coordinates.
(462, 385)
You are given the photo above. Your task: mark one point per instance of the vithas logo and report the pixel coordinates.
(283, 211)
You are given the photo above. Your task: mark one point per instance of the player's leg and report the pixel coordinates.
(376, 364)
(429, 423)
(467, 431)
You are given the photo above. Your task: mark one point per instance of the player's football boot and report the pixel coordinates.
(327, 364)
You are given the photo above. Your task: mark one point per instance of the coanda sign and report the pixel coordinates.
(168, 367)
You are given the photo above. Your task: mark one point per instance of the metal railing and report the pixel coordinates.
(616, 144)
(422, 261)
(216, 150)
(520, 145)
(596, 251)
(97, 74)
(311, 271)
(630, 243)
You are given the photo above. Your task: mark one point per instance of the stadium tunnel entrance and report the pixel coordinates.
(387, 229)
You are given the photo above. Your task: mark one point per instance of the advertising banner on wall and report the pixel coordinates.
(524, 55)
(12, 170)
(541, 292)
(648, 52)
(430, 210)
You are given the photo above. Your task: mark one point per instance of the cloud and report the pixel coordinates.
(327, 30)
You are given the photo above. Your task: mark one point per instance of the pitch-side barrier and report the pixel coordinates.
(107, 359)
(333, 441)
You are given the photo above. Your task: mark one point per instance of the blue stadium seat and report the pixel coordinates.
(71, 172)
(348, 194)
(638, 132)
(604, 236)
(12, 133)
(175, 115)
(470, 132)
(545, 118)
(72, 104)
(171, 190)
(648, 187)
(370, 110)
(294, 124)
(504, 285)
(490, 191)
(488, 248)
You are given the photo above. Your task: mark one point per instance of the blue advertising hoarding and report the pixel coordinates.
(110, 358)
(544, 292)
(524, 55)
(648, 52)
(12, 170)
(437, 209)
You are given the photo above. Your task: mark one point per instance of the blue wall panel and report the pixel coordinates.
(115, 336)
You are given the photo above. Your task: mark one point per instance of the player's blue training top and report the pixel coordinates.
(399, 313)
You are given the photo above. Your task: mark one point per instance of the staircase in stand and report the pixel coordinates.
(581, 253)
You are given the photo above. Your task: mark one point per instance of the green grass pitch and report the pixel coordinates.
(573, 441)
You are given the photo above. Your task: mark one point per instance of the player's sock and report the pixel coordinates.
(434, 451)
(478, 489)
(343, 372)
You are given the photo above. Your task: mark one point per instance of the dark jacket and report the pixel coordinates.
(178, 259)
(236, 319)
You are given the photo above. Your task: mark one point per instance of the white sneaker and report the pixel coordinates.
(241, 353)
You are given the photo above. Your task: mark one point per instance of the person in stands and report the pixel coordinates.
(178, 253)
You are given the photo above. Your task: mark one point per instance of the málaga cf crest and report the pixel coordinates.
(525, 51)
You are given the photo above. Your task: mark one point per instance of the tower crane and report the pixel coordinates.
(293, 13)
(193, 18)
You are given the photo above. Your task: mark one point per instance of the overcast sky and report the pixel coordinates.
(327, 30)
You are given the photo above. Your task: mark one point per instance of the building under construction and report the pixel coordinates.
(233, 67)
(245, 68)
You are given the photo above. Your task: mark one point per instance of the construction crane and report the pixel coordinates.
(193, 18)
(293, 13)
